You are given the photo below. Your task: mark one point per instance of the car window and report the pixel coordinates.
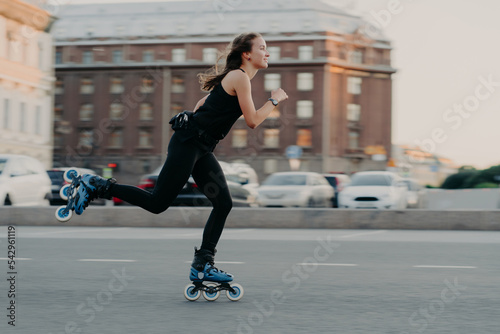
(17, 168)
(3, 162)
(285, 180)
(371, 180)
(332, 180)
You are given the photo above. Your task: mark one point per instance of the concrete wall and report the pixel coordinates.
(263, 218)
(463, 199)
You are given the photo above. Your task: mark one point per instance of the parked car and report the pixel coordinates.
(295, 189)
(338, 182)
(191, 195)
(415, 194)
(374, 190)
(56, 177)
(23, 181)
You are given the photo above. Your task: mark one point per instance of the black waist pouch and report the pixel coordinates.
(185, 121)
(181, 120)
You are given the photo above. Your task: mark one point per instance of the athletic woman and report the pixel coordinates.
(190, 148)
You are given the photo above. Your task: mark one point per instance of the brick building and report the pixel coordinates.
(124, 70)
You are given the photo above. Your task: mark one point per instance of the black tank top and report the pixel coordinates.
(218, 114)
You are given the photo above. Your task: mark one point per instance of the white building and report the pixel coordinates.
(26, 81)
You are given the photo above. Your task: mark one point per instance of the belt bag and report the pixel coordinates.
(184, 121)
(181, 120)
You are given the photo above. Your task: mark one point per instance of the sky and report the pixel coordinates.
(446, 93)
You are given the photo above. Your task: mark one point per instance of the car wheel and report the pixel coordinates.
(310, 203)
(7, 201)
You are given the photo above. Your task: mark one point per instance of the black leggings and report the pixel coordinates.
(185, 159)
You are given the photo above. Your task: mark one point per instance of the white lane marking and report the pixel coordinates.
(16, 258)
(77, 231)
(105, 260)
(445, 267)
(329, 264)
(222, 262)
(362, 234)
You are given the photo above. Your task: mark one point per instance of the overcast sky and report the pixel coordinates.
(447, 90)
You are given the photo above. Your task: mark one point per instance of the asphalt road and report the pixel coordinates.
(131, 280)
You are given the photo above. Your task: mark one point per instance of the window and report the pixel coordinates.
(58, 140)
(305, 81)
(88, 57)
(272, 81)
(22, 117)
(355, 57)
(116, 138)
(58, 57)
(86, 86)
(6, 114)
(147, 85)
(274, 53)
(58, 112)
(178, 84)
(354, 85)
(86, 112)
(85, 138)
(304, 109)
(271, 138)
(148, 56)
(116, 85)
(117, 56)
(240, 138)
(146, 112)
(306, 52)
(304, 137)
(210, 55)
(179, 55)
(116, 111)
(353, 139)
(353, 112)
(59, 87)
(38, 120)
(145, 138)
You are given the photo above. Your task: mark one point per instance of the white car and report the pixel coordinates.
(23, 181)
(296, 189)
(374, 190)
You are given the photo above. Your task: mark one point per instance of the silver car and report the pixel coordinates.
(296, 189)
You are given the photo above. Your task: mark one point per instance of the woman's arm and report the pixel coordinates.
(200, 103)
(241, 83)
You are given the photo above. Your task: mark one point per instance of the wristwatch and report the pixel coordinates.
(275, 103)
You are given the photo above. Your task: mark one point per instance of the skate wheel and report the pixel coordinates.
(237, 294)
(63, 192)
(63, 216)
(70, 174)
(211, 296)
(190, 293)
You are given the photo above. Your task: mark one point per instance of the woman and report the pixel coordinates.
(190, 148)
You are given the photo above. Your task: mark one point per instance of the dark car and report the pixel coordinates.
(56, 176)
(191, 195)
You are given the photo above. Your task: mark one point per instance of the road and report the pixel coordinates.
(131, 280)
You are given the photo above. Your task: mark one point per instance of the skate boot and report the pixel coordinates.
(90, 188)
(203, 269)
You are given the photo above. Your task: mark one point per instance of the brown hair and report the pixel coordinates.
(242, 43)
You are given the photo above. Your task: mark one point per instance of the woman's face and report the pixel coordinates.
(259, 55)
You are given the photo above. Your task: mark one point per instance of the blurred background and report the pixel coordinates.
(409, 87)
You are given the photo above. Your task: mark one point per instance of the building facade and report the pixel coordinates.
(123, 72)
(26, 81)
